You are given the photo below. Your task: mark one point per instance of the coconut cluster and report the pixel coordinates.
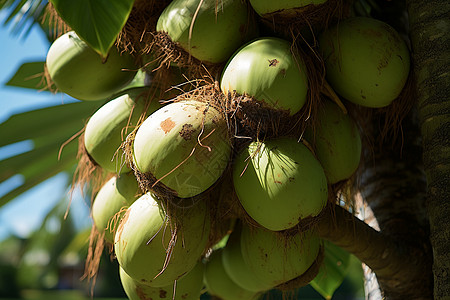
(214, 179)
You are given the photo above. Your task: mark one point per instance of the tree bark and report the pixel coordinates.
(429, 30)
(393, 185)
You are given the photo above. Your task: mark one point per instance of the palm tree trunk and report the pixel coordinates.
(430, 28)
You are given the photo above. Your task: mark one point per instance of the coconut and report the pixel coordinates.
(109, 125)
(235, 266)
(156, 248)
(278, 258)
(77, 70)
(263, 7)
(266, 70)
(184, 145)
(117, 193)
(279, 182)
(219, 284)
(337, 142)
(186, 288)
(209, 30)
(366, 61)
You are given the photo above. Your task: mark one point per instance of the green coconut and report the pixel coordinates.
(366, 61)
(185, 145)
(155, 250)
(109, 125)
(186, 288)
(235, 266)
(219, 284)
(337, 142)
(117, 193)
(279, 182)
(219, 27)
(77, 70)
(278, 258)
(263, 7)
(266, 70)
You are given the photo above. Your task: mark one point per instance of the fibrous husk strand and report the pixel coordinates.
(95, 251)
(168, 53)
(136, 35)
(308, 19)
(87, 171)
(51, 17)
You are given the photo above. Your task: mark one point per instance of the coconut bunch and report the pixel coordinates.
(217, 186)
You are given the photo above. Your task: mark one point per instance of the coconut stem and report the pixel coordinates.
(328, 91)
(389, 259)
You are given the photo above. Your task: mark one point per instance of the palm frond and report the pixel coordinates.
(21, 15)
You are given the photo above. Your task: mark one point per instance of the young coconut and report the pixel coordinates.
(266, 70)
(184, 146)
(366, 61)
(337, 142)
(279, 182)
(186, 288)
(155, 245)
(277, 258)
(116, 194)
(209, 30)
(109, 125)
(80, 72)
(235, 266)
(219, 284)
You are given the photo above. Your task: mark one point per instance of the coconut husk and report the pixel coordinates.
(95, 251)
(136, 35)
(168, 53)
(307, 20)
(46, 83)
(87, 171)
(56, 25)
(223, 208)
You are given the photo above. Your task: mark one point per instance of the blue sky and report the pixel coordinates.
(28, 210)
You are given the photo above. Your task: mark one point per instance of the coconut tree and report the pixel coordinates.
(401, 182)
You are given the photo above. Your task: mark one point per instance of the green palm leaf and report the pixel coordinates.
(23, 14)
(48, 128)
(97, 22)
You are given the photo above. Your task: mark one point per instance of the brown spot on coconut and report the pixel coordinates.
(187, 131)
(167, 125)
(188, 159)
